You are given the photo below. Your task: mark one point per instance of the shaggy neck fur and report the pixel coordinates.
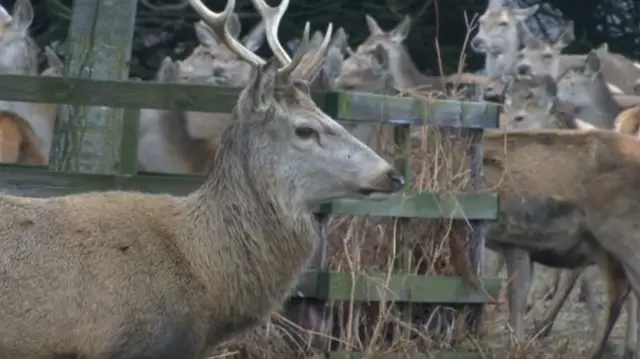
(249, 237)
(405, 73)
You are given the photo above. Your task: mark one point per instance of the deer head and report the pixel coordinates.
(18, 52)
(213, 63)
(499, 28)
(577, 84)
(528, 102)
(382, 53)
(319, 154)
(538, 57)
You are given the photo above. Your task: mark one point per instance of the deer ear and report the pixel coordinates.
(255, 38)
(372, 24)
(401, 32)
(168, 71)
(524, 13)
(566, 37)
(22, 15)
(234, 25)
(53, 60)
(206, 36)
(592, 64)
(333, 64)
(258, 96)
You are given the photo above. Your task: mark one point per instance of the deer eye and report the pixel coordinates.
(306, 132)
(503, 23)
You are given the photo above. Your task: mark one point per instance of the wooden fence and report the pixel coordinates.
(95, 149)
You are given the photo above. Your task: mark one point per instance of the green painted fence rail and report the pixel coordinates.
(137, 94)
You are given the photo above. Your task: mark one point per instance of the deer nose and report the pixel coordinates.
(524, 69)
(218, 72)
(518, 118)
(397, 180)
(477, 43)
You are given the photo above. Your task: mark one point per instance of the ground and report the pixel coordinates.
(572, 336)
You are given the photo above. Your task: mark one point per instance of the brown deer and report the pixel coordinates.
(125, 274)
(526, 163)
(18, 142)
(628, 121)
(211, 62)
(500, 29)
(19, 55)
(584, 88)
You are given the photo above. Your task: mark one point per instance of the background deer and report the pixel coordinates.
(169, 146)
(177, 268)
(529, 163)
(500, 29)
(584, 88)
(539, 57)
(18, 142)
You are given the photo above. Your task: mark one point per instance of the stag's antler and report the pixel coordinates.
(271, 17)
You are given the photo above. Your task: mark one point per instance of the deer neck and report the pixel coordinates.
(404, 71)
(602, 109)
(248, 237)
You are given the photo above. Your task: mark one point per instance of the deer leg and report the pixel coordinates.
(589, 296)
(566, 283)
(518, 265)
(496, 265)
(617, 290)
(631, 337)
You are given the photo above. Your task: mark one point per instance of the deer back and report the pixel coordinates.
(18, 142)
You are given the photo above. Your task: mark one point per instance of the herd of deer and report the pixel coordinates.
(131, 275)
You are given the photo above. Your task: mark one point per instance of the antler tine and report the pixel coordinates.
(218, 22)
(313, 66)
(302, 50)
(272, 17)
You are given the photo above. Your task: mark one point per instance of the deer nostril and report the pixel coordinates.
(397, 180)
(218, 72)
(523, 70)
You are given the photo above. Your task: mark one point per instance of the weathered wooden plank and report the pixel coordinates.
(439, 355)
(359, 107)
(88, 139)
(395, 288)
(367, 107)
(35, 181)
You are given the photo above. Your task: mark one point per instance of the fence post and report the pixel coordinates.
(88, 139)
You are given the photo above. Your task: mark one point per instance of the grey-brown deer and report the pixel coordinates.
(596, 171)
(125, 274)
(539, 57)
(500, 29)
(585, 88)
(211, 62)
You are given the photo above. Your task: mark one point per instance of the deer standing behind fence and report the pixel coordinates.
(531, 103)
(596, 170)
(500, 29)
(19, 56)
(167, 147)
(141, 275)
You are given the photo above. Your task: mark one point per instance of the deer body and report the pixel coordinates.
(18, 142)
(599, 160)
(131, 275)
